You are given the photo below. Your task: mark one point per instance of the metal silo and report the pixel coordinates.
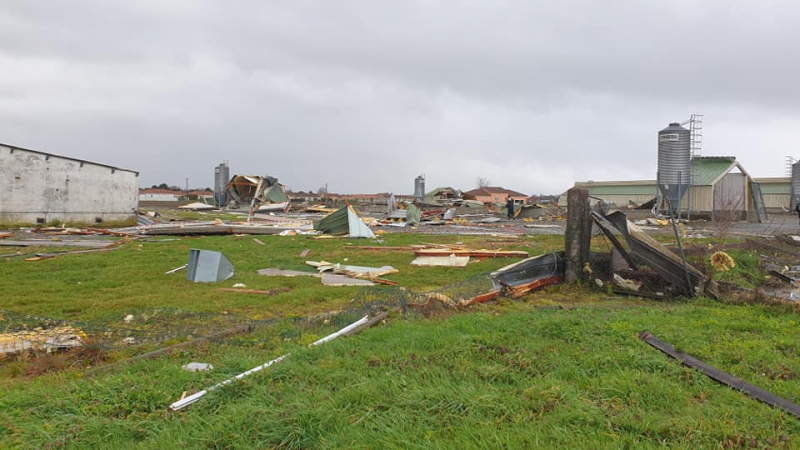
(419, 187)
(222, 173)
(674, 163)
(795, 185)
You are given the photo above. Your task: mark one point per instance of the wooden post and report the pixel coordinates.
(578, 234)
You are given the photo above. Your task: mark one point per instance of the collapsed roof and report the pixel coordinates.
(256, 190)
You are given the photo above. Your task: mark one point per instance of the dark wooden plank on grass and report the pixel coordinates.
(255, 291)
(723, 377)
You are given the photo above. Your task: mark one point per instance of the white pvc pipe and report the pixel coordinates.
(180, 404)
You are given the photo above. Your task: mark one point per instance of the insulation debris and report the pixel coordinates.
(40, 339)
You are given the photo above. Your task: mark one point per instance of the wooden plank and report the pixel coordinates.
(49, 243)
(384, 281)
(722, 377)
(256, 291)
(41, 256)
(258, 241)
(472, 253)
(305, 253)
(368, 248)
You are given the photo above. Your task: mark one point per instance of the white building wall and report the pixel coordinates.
(159, 198)
(36, 187)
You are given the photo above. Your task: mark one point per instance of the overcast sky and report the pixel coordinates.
(366, 95)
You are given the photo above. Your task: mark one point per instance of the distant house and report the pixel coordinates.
(41, 187)
(160, 195)
(203, 196)
(490, 194)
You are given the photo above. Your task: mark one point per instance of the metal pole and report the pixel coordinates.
(689, 286)
(680, 197)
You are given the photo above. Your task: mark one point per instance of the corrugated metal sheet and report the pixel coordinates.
(708, 168)
(776, 188)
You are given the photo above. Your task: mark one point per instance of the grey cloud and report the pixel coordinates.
(366, 95)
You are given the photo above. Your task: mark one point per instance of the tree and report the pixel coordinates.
(482, 182)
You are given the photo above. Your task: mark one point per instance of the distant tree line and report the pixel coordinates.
(173, 187)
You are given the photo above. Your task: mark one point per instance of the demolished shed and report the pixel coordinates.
(257, 192)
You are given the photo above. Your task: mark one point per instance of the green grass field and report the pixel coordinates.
(561, 368)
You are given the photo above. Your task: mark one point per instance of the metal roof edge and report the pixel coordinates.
(68, 158)
(727, 171)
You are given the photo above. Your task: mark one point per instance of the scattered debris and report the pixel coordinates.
(352, 271)
(722, 377)
(198, 367)
(258, 241)
(305, 253)
(206, 266)
(239, 285)
(332, 279)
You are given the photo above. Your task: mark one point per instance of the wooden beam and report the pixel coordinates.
(578, 234)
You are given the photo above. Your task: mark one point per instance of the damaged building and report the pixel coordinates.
(262, 193)
(40, 188)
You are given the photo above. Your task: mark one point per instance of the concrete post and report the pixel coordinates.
(578, 234)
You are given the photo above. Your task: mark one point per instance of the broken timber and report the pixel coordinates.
(472, 253)
(723, 377)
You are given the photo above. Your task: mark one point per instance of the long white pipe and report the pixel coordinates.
(180, 404)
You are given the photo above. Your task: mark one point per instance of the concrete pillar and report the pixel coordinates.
(578, 234)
